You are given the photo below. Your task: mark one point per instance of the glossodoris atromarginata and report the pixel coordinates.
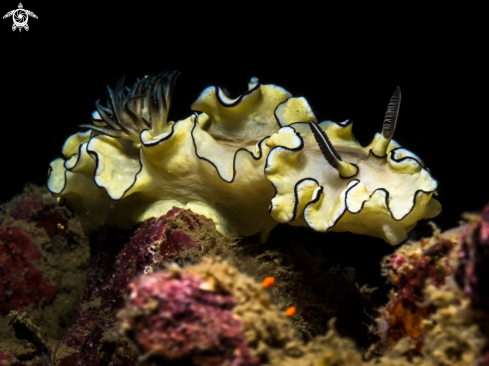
(246, 163)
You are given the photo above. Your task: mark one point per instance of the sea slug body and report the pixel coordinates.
(246, 163)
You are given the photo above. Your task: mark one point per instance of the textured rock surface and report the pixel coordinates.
(473, 269)
(436, 313)
(43, 262)
(429, 319)
(176, 317)
(21, 282)
(117, 257)
(4, 358)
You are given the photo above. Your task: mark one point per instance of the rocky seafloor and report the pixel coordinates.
(175, 292)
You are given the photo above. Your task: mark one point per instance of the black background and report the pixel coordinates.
(345, 62)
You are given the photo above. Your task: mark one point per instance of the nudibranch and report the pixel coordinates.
(246, 163)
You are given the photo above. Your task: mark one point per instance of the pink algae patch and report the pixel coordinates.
(4, 359)
(174, 319)
(26, 207)
(21, 283)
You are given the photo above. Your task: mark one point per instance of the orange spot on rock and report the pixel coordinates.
(290, 311)
(268, 282)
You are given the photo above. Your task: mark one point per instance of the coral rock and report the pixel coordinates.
(429, 319)
(4, 359)
(172, 317)
(116, 258)
(410, 271)
(26, 206)
(21, 283)
(473, 270)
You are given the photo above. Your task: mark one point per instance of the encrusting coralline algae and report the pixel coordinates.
(428, 320)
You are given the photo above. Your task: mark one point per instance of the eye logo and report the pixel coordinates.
(20, 17)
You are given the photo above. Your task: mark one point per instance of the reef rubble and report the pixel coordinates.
(176, 292)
